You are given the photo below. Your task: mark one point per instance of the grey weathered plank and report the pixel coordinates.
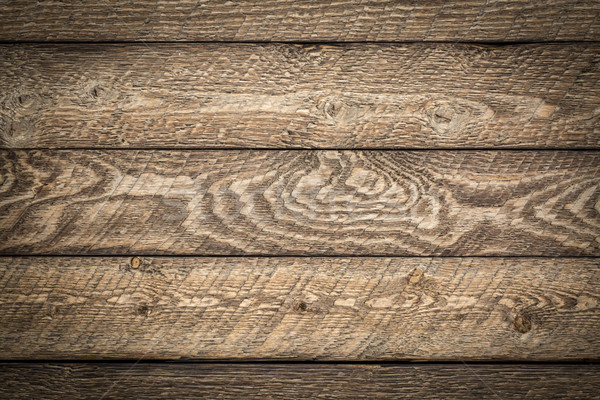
(306, 20)
(300, 308)
(298, 381)
(284, 96)
(460, 203)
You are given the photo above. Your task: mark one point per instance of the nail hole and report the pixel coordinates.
(142, 309)
(301, 306)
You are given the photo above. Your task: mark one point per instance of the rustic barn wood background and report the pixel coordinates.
(300, 199)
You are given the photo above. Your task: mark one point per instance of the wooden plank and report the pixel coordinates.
(298, 381)
(300, 96)
(465, 203)
(300, 308)
(307, 20)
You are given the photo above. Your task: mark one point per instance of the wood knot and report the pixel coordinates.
(290, 58)
(415, 276)
(301, 307)
(136, 262)
(144, 266)
(53, 312)
(18, 118)
(26, 100)
(142, 309)
(332, 109)
(97, 91)
(341, 111)
(522, 323)
(447, 117)
(16, 133)
(94, 91)
(24, 103)
(451, 116)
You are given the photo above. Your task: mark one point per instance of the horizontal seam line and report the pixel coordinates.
(309, 42)
(407, 363)
(313, 362)
(188, 255)
(415, 149)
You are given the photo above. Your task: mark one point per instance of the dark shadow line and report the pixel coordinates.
(307, 362)
(498, 43)
(407, 149)
(287, 255)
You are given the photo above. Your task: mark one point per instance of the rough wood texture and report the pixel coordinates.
(462, 203)
(298, 381)
(308, 20)
(284, 96)
(300, 308)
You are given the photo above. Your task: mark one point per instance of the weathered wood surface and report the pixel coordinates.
(298, 381)
(299, 96)
(300, 308)
(308, 20)
(459, 203)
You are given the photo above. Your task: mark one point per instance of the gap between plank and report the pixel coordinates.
(407, 363)
(15, 255)
(412, 149)
(305, 42)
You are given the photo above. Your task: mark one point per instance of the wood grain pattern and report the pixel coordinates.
(298, 381)
(300, 308)
(305, 20)
(442, 203)
(300, 96)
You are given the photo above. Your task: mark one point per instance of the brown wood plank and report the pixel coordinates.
(307, 20)
(300, 308)
(300, 96)
(459, 203)
(298, 381)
